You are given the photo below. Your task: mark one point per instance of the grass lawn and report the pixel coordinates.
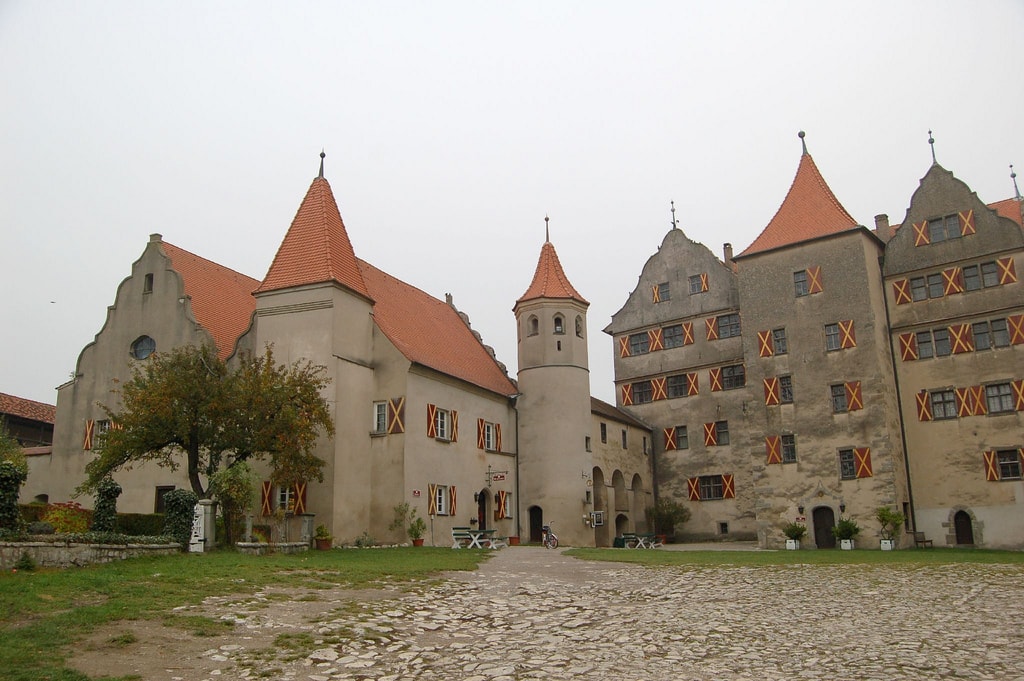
(44, 612)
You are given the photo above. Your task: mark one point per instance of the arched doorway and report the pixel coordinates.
(964, 528)
(621, 525)
(824, 520)
(536, 522)
(481, 508)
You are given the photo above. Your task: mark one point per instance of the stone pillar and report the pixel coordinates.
(306, 528)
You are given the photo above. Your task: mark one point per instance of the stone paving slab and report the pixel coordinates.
(529, 613)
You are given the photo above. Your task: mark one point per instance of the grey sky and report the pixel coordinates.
(451, 129)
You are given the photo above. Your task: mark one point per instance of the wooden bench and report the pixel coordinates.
(920, 541)
(460, 537)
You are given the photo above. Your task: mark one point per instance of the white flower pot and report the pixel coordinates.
(846, 544)
(888, 544)
(792, 544)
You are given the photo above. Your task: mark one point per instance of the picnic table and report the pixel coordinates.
(632, 540)
(471, 538)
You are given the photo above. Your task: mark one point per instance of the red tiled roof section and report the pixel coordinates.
(1008, 208)
(549, 281)
(222, 300)
(810, 210)
(430, 332)
(316, 248)
(27, 409)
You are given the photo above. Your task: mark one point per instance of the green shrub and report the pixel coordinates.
(795, 531)
(180, 505)
(32, 512)
(25, 562)
(11, 479)
(140, 524)
(39, 527)
(104, 514)
(67, 517)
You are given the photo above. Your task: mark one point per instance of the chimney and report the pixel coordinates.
(882, 230)
(728, 253)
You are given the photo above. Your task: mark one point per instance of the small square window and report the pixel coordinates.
(676, 385)
(800, 284)
(847, 466)
(711, 487)
(733, 377)
(943, 404)
(942, 347)
(672, 336)
(839, 405)
(696, 286)
(832, 337)
(664, 294)
(639, 343)
(999, 398)
(1009, 464)
(918, 289)
(728, 325)
(642, 392)
(779, 342)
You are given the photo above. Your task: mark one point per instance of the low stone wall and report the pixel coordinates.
(260, 548)
(64, 554)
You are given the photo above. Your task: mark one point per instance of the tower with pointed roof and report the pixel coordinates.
(554, 403)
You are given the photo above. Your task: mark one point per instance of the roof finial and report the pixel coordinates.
(1013, 176)
(931, 141)
(547, 232)
(322, 155)
(802, 142)
(675, 225)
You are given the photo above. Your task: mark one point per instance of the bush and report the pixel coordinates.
(11, 479)
(67, 517)
(260, 533)
(32, 512)
(795, 531)
(180, 505)
(39, 527)
(25, 562)
(890, 520)
(104, 514)
(140, 524)
(846, 528)
(666, 516)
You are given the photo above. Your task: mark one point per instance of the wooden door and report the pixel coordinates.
(824, 520)
(964, 528)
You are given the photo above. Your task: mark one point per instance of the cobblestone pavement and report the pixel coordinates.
(535, 614)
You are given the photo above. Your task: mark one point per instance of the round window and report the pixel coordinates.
(143, 347)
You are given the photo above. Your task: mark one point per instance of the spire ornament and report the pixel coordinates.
(1013, 176)
(322, 156)
(931, 141)
(675, 225)
(801, 135)
(547, 232)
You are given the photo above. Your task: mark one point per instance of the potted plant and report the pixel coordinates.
(664, 517)
(406, 518)
(891, 521)
(323, 538)
(794, 533)
(845, 530)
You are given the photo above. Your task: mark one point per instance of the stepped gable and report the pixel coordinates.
(316, 248)
(430, 332)
(27, 409)
(222, 299)
(809, 211)
(549, 281)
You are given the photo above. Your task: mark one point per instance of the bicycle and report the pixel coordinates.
(549, 538)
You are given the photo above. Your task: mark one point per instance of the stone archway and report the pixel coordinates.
(963, 528)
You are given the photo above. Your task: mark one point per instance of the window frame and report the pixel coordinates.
(672, 336)
(1007, 466)
(943, 404)
(441, 500)
(788, 448)
(936, 285)
(999, 398)
(785, 389)
(944, 228)
(695, 285)
(711, 487)
(729, 326)
(664, 292)
(840, 405)
(380, 417)
(676, 386)
(924, 340)
(639, 343)
(801, 283)
(284, 498)
(643, 392)
(832, 342)
(918, 289)
(780, 343)
(847, 464)
(442, 424)
(941, 343)
(721, 433)
(604, 433)
(682, 438)
(734, 376)
(489, 439)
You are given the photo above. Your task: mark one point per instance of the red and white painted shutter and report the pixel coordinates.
(655, 296)
(728, 488)
(862, 461)
(658, 388)
(299, 498)
(452, 499)
(962, 338)
(396, 415)
(627, 394)
(654, 340)
(692, 384)
(814, 281)
(854, 401)
(772, 394)
(431, 420)
(924, 406)
(455, 425)
(431, 499)
(1015, 325)
(1018, 395)
(979, 405)
(687, 333)
(90, 426)
(497, 437)
(693, 489)
(921, 237)
(710, 435)
(765, 346)
(481, 434)
(499, 512)
(952, 281)
(712, 328)
(267, 498)
(670, 439)
(901, 291)
(847, 337)
(1007, 272)
(966, 222)
(703, 282)
(962, 397)
(991, 469)
(908, 346)
(624, 346)
(715, 379)
(773, 448)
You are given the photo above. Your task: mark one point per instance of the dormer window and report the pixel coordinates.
(559, 324)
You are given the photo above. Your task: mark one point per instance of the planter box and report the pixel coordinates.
(888, 544)
(792, 544)
(846, 544)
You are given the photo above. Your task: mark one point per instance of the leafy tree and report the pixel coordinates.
(234, 488)
(104, 514)
(186, 403)
(10, 450)
(180, 507)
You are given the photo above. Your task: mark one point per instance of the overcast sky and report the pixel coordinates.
(452, 129)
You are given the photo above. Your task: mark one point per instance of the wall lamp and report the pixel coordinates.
(800, 510)
(842, 507)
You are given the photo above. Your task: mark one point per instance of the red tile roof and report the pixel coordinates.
(549, 281)
(222, 300)
(1008, 208)
(810, 210)
(430, 332)
(316, 248)
(27, 409)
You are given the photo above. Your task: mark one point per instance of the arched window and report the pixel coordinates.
(559, 324)
(533, 326)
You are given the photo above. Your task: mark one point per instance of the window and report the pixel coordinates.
(989, 274)
(839, 405)
(789, 449)
(733, 377)
(786, 389)
(1009, 464)
(663, 293)
(847, 465)
(999, 397)
(380, 417)
(604, 433)
(800, 283)
(721, 433)
(645, 444)
(677, 386)
(924, 345)
(672, 336)
(623, 438)
(696, 284)
(943, 404)
(579, 326)
(941, 337)
(587, 443)
(441, 500)
(559, 325)
(533, 326)
(143, 347)
(918, 289)
(286, 498)
(639, 343)
(832, 337)
(159, 506)
(779, 341)
(147, 283)
(935, 286)
(642, 392)
(972, 278)
(1000, 334)
(682, 438)
(441, 420)
(728, 325)
(944, 228)
(505, 501)
(711, 487)
(982, 337)
(489, 441)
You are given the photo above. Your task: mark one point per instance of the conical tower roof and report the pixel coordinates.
(809, 211)
(549, 281)
(316, 248)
